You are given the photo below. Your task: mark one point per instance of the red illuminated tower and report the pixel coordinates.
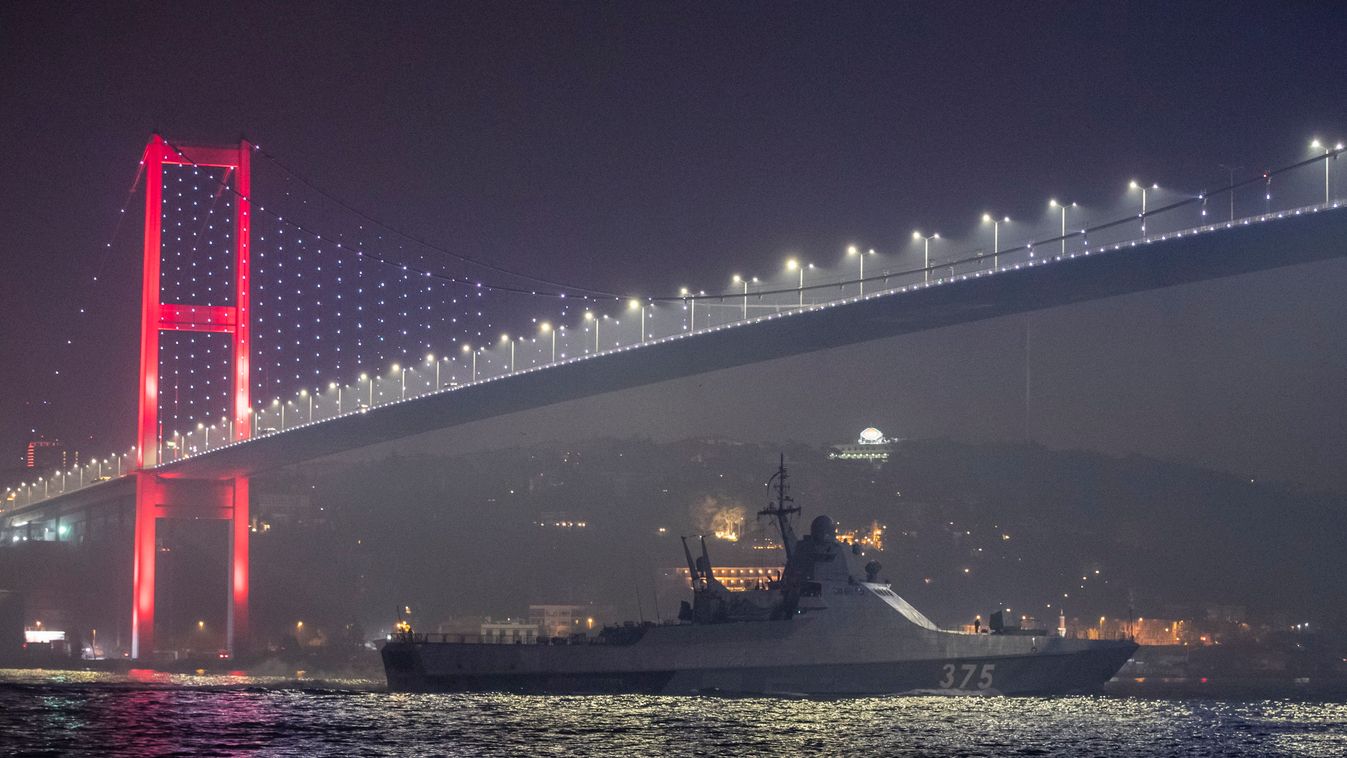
(159, 494)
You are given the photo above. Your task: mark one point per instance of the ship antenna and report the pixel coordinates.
(780, 510)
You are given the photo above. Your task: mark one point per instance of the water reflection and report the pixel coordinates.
(139, 713)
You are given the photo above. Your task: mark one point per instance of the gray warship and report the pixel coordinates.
(826, 626)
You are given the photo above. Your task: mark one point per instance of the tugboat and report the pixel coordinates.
(825, 627)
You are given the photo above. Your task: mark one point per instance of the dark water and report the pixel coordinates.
(111, 715)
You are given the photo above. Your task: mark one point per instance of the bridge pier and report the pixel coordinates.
(159, 497)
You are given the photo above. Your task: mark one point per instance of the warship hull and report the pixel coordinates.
(1072, 673)
(800, 657)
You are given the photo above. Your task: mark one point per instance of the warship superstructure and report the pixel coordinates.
(825, 626)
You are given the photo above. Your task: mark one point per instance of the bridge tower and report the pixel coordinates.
(159, 494)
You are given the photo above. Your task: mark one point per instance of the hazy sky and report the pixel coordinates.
(636, 146)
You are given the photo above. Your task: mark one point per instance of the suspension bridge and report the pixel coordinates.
(363, 335)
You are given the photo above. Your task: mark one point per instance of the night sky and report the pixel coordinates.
(636, 148)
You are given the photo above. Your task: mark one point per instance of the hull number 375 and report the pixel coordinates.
(961, 676)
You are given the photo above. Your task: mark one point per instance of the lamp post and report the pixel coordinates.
(430, 358)
(468, 349)
(987, 218)
(926, 251)
(852, 250)
(305, 394)
(794, 265)
(1231, 186)
(589, 316)
(370, 379)
(402, 380)
(506, 338)
(634, 304)
(738, 280)
(1134, 185)
(1327, 152)
(692, 304)
(1063, 206)
(546, 328)
(337, 387)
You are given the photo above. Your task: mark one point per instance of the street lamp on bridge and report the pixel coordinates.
(468, 349)
(506, 338)
(334, 386)
(546, 328)
(1231, 187)
(430, 358)
(794, 265)
(1134, 185)
(305, 394)
(739, 280)
(853, 250)
(926, 251)
(589, 316)
(1063, 206)
(1317, 145)
(988, 218)
(691, 302)
(634, 304)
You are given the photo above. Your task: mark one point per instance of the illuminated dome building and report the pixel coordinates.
(871, 446)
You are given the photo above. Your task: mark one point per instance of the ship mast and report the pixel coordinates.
(780, 510)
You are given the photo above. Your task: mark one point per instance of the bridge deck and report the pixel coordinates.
(1291, 238)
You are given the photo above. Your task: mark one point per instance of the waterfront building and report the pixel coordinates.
(871, 445)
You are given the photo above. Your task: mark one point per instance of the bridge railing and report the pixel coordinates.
(1308, 186)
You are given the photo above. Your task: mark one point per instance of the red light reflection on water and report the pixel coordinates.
(148, 675)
